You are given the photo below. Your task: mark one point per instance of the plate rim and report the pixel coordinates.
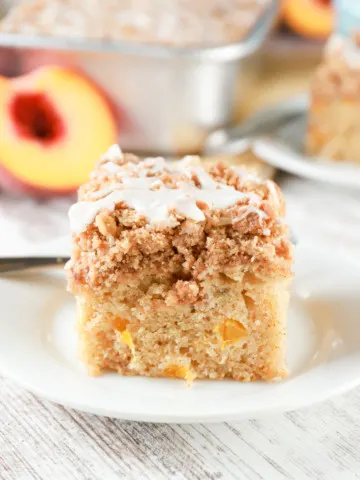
(233, 139)
(283, 405)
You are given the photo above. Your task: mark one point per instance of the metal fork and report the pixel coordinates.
(14, 264)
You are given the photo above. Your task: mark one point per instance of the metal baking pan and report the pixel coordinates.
(168, 98)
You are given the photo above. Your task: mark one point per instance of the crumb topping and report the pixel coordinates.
(178, 221)
(339, 72)
(162, 193)
(179, 22)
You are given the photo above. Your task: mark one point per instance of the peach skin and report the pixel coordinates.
(310, 18)
(54, 125)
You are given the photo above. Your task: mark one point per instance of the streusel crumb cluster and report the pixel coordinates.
(119, 243)
(176, 22)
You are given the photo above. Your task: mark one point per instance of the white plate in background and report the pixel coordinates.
(277, 136)
(38, 351)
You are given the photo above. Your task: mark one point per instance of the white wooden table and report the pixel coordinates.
(40, 440)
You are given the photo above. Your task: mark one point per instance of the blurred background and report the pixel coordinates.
(122, 61)
(156, 76)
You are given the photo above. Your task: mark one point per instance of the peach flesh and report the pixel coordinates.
(34, 117)
(55, 125)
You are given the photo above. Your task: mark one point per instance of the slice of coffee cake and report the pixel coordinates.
(180, 270)
(333, 127)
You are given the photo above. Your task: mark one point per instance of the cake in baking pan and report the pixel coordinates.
(176, 22)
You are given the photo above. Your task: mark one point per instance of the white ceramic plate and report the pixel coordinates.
(38, 350)
(277, 135)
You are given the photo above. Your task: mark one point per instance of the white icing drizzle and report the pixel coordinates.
(187, 161)
(345, 46)
(246, 175)
(153, 165)
(247, 209)
(105, 191)
(113, 153)
(273, 192)
(156, 205)
(147, 166)
(110, 167)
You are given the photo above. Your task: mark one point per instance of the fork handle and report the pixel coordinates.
(14, 264)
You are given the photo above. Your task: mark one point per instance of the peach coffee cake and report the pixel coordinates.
(180, 269)
(333, 127)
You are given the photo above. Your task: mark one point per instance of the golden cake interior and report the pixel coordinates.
(181, 298)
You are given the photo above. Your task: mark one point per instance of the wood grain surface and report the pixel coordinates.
(41, 441)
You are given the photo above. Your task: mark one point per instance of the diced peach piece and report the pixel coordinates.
(231, 331)
(127, 338)
(54, 125)
(176, 371)
(120, 323)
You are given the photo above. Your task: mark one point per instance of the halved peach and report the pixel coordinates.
(4, 83)
(311, 18)
(98, 68)
(54, 125)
